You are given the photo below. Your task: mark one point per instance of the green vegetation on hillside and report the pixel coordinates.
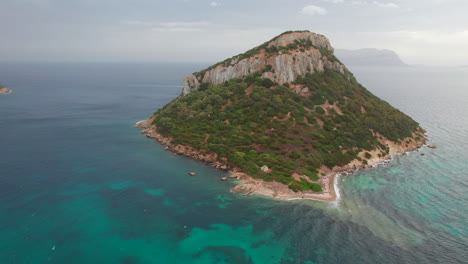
(252, 125)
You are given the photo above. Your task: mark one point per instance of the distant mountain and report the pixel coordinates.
(369, 57)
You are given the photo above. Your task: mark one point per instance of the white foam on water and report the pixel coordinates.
(337, 191)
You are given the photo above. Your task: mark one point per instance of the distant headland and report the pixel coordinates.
(285, 118)
(370, 57)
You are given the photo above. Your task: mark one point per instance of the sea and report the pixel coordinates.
(80, 184)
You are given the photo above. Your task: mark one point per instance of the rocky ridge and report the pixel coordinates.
(281, 60)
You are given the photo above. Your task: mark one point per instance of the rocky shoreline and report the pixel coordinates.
(4, 90)
(250, 185)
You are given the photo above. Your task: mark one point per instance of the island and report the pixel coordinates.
(285, 118)
(3, 90)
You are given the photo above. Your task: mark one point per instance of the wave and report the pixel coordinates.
(337, 190)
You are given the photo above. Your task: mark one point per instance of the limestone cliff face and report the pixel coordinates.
(288, 56)
(190, 83)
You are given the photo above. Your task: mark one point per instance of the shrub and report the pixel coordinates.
(266, 82)
(204, 86)
(319, 110)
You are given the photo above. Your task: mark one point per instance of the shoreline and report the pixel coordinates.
(328, 177)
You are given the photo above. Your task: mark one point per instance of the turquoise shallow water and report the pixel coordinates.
(78, 184)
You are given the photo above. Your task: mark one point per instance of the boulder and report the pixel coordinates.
(238, 188)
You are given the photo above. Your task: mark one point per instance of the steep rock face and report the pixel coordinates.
(289, 55)
(190, 83)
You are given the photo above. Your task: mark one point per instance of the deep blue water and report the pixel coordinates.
(79, 184)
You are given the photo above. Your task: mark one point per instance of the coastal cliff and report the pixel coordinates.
(285, 118)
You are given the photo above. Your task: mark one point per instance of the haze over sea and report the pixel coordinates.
(79, 184)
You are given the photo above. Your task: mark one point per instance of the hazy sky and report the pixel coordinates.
(432, 32)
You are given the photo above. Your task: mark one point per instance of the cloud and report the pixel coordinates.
(385, 5)
(312, 10)
(434, 37)
(376, 3)
(358, 2)
(214, 4)
(181, 26)
(137, 23)
(169, 26)
(333, 1)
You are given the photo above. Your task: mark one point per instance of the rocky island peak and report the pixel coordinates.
(281, 60)
(284, 117)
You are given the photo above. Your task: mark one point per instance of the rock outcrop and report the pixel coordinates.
(4, 90)
(282, 60)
